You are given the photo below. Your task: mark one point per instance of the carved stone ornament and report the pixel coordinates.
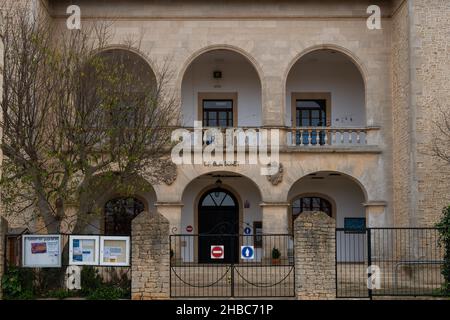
(277, 177)
(169, 173)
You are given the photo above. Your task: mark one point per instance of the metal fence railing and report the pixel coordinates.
(402, 261)
(232, 265)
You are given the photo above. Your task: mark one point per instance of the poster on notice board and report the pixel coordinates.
(41, 251)
(114, 251)
(83, 250)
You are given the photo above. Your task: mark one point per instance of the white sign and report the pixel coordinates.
(114, 251)
(41, 251)
(217, 252)
(247, 252)
(83, 250)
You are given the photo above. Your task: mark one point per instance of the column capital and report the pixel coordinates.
(375, 203)
(169, 204)
(274, 204)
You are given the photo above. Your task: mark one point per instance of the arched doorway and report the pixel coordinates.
(119, 212)
(218, 225)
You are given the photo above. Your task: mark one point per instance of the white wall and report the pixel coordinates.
(322, 71)
(238, 75)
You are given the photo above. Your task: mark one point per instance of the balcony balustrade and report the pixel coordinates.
(311, 137)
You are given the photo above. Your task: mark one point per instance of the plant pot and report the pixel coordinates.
(276, 261)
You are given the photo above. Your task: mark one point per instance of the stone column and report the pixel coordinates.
(275, 218)
(375, 214)
(3, 231)
(150, 257)
(275, 222)
(314, 252)
(172, 212)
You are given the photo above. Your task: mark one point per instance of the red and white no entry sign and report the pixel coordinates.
(189, 228)
(217, 252)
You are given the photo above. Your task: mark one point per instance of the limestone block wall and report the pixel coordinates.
(315, 264)
(430, 89)
(150, 257)
(420, 73)
(401, 111)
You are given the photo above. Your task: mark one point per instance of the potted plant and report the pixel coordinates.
(276, 256)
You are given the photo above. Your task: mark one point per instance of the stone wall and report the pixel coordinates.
(401, 114)
(150, 257)
(315, 264)
(3, 231)
(430, 90)
(420, 73)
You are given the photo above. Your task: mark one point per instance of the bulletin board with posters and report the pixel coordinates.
(84, 250)
(41, 251)
(114, 251)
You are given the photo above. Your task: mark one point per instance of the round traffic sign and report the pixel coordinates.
(189, 228)
(247, 252)
(217, 252)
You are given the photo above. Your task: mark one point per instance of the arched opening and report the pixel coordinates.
(337, 194)
(115, 202)
(119, 212)
(325, 89)
(334, 193)
(239, 211)
(118, 89)
(221, 88)
(218, 225)
(135, 66)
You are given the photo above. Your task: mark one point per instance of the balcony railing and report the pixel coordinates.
(329, 136)
(295, 136)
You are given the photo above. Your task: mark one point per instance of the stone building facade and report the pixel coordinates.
(380, 91)
(403, 71)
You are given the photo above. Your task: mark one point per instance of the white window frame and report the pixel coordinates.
(96, 254)
(127, 251)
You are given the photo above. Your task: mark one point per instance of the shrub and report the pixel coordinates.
(444, 240)
(90, 280)
(17, 284)
(107, 293)
(60, 294)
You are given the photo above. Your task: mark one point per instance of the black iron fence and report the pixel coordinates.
(97, 282)
(351, 264)
(232, 265)
(388, 262)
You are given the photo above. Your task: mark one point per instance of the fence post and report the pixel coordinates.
(3, 231)
(315, 264)
(150, 257)
(369, 259)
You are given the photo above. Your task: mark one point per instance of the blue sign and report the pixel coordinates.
(247, 252)
(247, 230)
